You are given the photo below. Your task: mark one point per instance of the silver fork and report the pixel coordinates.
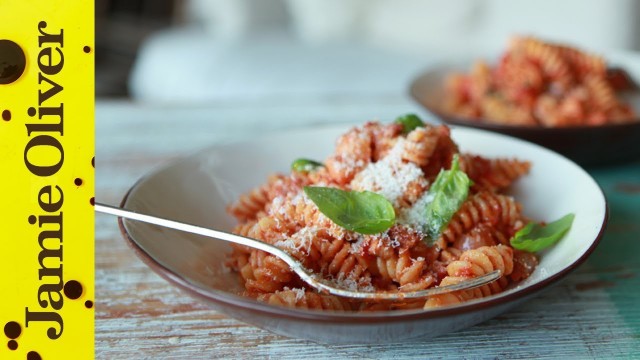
(306, 275)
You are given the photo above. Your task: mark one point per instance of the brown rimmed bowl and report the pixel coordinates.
(197, 188)
(586, 145)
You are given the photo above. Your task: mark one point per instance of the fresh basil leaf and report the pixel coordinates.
(364, 212)
(305, 165)
(535, 237)
(449, 191)
(409, 122)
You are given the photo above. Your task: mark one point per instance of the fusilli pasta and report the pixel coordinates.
(537, 83)
(401, 167)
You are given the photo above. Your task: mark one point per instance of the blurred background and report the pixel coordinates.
(195, 51)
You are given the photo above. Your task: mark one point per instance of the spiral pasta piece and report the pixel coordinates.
(458, 297)
(420, 145)
(300, 298)
(265, 273)
(408, 273)
(483, 260)
(499, 211)
(442, 155)
(340, 262)
(549, 56)
(502, 111)
(493, 175)
(249, 204)
(384, 137)
(583, 63)
(353, 153)
(475, 263)
(601, 92)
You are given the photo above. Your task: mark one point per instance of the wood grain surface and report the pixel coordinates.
(593, 313)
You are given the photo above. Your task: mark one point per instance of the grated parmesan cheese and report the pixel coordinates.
(352, 282)
(357, 246)
(300, 240)
(299, 196)
(277, 206)
(415, 216)
(348, 164)
(388, 177)
(298, 291)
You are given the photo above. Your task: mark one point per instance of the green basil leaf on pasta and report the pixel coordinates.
(449, 190)
(305, 165)
(535, 237)
(409, 122)
(364, 212)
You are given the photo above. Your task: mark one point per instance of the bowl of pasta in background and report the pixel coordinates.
(197, 188)
(588, 145)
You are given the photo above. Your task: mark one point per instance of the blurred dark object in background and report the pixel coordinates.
(121, 26)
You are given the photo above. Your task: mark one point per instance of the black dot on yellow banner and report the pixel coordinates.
(92, 201)
(6, 115)
(12, 62)
(32, 355)
(31, 111)
(86, 49)
(32, 219)
(77, 181)
(72, 289)
(88, 304)
(12, 330)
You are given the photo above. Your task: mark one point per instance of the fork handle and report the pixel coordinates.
(212, 233)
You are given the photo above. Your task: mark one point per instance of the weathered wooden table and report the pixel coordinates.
(593, 313)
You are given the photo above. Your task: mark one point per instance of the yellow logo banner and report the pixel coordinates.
(47, 162)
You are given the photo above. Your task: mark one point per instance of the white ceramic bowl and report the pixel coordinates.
(196, 190)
